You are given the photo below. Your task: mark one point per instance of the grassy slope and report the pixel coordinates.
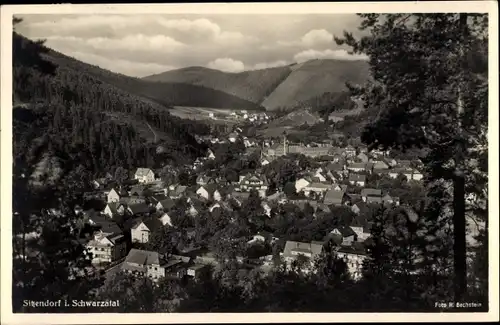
(253, 86)
(314, 78)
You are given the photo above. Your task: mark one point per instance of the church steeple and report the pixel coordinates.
(285, 144)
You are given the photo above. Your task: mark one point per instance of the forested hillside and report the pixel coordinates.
(253, 86)
(169, 94)
(65, 117)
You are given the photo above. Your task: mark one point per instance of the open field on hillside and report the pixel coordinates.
(277, 131)
(202, 113)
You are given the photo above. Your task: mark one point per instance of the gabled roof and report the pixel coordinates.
(138, 208)
(210, 188)
(159, 197)
(335, 167)
(357, 178)
(312, 248)
(142, 257)
(333, 197)
(318, 185)
(373, 199)
(113, 207)
(167, 203)
(355, 249)
(346, 231)
(142, 171)
(371, 192)
(357, 165)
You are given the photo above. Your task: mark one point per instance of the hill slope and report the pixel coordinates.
(249, 85)
(273, 88)
(314, 78)
(75, 121)
(168, 94)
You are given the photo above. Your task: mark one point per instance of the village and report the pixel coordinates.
(139, 208)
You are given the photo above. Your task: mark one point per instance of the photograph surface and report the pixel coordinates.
(234, 162)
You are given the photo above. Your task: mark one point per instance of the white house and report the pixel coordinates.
(300, 184)
(141, 231)
(107, 247)
(354, 258)
(320, 176)
(115, 195)
(113, 209)
(210, 154)
(209, 192)
(165, 219)
(144, 175)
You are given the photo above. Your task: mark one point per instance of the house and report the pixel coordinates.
(142, 230)
(395, 172)
(294, 249)
(374, 199)
(113, 209)
(335, 117)
(195, 208)
(239, 197)
(417, 176)
(209, 192)
(267, 208)
(264, 162)
(155, 199)
(406, 164)
(354, 257)
(100, 183)
(138, 209)
(107, 247)
(357, 179)
(363, 157)
(210, 154)
(116, 194)
(176, 191)
(360, 208)
(195, 270)
(137, 190)
(233, 137)
(262, 237)
(154, 265)
(350, 151)
(165, 205)
(319, 175)
(357, 167)
(380, 165)
(390, 200)
(204, 180)
(334, 197)
(317, 188)
(254, 182)
(347, 234)
(301, 183)
(370, 192)
(144, 175)
(132, 200)
(166, 219)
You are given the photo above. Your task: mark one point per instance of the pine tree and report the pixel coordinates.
(427, 69)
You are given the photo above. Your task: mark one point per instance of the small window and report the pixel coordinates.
(156, 269)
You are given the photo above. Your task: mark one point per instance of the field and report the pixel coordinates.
(202, 113)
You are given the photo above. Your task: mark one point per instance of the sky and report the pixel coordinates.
(145, 44)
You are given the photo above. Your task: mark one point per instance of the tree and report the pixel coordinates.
(289, 189)
(426, 93)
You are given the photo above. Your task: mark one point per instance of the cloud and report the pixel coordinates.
(266, 65)
(317, 37)
(226, 65)
(137, 42)
(182, 40)
(328, 54)
(126, 67)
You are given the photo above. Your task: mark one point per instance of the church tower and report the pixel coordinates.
(285, 144)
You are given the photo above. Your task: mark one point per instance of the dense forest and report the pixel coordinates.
(67, 113)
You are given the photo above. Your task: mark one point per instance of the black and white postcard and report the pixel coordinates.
(252, 162)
